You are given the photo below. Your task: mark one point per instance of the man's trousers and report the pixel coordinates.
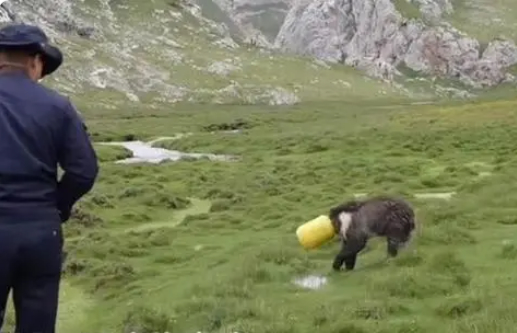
(30, 268)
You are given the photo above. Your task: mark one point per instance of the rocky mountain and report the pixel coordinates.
(274, 51)
(376, 36)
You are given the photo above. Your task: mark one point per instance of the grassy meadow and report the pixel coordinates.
(200, 246)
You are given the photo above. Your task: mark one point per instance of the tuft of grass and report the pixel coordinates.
(508, 251)
(111, 153)
(459, 306)
(144, 319)
(497, 18)
(408, 9)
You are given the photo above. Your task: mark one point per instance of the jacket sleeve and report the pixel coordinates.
(78, 160)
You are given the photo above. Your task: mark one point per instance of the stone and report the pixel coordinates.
(373, 36)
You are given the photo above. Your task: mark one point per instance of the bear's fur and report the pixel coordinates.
(357, 221)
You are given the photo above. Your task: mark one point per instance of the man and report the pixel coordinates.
(39, 130)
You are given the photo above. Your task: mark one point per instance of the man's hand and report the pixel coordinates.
(65, 216)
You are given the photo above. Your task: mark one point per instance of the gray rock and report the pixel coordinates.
(226, 43)
(222, 68)
(6, 13)
(254, 22)
(503, 52)
(280, 96)
(327, 27)
(266, 16)
(372, 35)
(71, 27)
(433, 10)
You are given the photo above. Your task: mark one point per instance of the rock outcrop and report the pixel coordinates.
(433, 10)
(372, 35)
(258, 21)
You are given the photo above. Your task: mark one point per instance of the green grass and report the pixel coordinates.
(210, 246)
(111, 153)
(485, 19)
(408, 9)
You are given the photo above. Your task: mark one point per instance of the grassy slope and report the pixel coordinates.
(140, 45)
(486, 19)
(481, 19)
(231, 268)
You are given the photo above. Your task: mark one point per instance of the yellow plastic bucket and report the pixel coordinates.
(315, 233)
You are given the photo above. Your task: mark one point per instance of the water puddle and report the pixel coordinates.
(313, 282)
(442, 196)
(144, 152)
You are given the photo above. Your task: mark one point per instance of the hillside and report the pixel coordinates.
(153, 53)
(162, 51)
(248, 137)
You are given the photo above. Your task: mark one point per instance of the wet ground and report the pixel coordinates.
(144, 152)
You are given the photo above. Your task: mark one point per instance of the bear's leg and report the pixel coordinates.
(397, 237)
(348, 253)
(393, 247)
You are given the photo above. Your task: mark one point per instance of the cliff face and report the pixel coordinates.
(374, 36)
(257, 21)
(378, 36)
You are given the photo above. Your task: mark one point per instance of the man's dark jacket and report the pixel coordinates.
(39, 130)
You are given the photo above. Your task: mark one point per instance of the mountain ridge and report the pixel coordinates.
(220, 52)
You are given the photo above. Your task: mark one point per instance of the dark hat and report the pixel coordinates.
(29, 37)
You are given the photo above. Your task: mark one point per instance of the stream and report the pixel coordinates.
(144, 152)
